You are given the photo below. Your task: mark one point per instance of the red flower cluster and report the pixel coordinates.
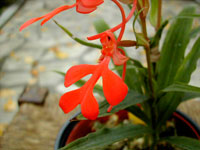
(82, 6)
(115, 90)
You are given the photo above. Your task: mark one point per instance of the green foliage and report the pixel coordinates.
(187, 67)
(154, 12)
(135, 75)
(182, 87)
(101, 26)
(107, 136)
(184, 143)
(155, 40)
(173, 49)
(189, 64)
(131, 99)
(77, 39)
(195, 32)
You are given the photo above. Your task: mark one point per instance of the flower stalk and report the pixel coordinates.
(159, 14)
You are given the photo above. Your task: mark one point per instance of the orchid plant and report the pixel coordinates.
(151, 94)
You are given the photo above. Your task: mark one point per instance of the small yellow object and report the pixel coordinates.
(61, 55)
(10, 105)
(33, 81)
(42, 68)
(34, 72)
(28, 60)
(7, 93)
(135, 120)
(27, 34)
(2, 128)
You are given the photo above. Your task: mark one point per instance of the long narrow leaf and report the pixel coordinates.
(154, 12)
(173, 49)
(182, 87)
(107, 136)
(77, 39)
(184, 143)
(189, 96)
(169, 103)
(189, 64)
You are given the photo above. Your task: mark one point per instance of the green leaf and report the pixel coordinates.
(154, 12)
(141, 41)
(106, 136)
(156, 38)
(131, 99)
(78, 39)
(60, 73)
(173, 48)
(194, 32)
(184, 143)
(192, 15)
(182, 87)
(189, 64)
(189, 96)
(168, 104)
(101, 26)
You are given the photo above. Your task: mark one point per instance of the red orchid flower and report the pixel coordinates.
(115, 90)
(82, 6)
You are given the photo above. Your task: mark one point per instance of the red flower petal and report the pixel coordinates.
(70, 100)
(89, 106)
(91, 3)
(29, 22)
(118, 58)
(84, 10)
(115, 90)
(75, 73)
(55, 12)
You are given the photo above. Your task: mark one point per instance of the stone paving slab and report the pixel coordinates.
(31, 56)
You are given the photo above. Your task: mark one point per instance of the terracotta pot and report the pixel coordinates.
(76, 129)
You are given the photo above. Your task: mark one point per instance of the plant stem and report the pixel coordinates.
(159, 14)
(148, 51)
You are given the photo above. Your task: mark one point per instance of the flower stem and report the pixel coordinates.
(148, 51)
(159, 14)
(123, 20)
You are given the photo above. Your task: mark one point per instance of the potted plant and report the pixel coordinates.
(147, 95)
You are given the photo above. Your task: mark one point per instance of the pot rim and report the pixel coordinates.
(68, 124)
(188, 120)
